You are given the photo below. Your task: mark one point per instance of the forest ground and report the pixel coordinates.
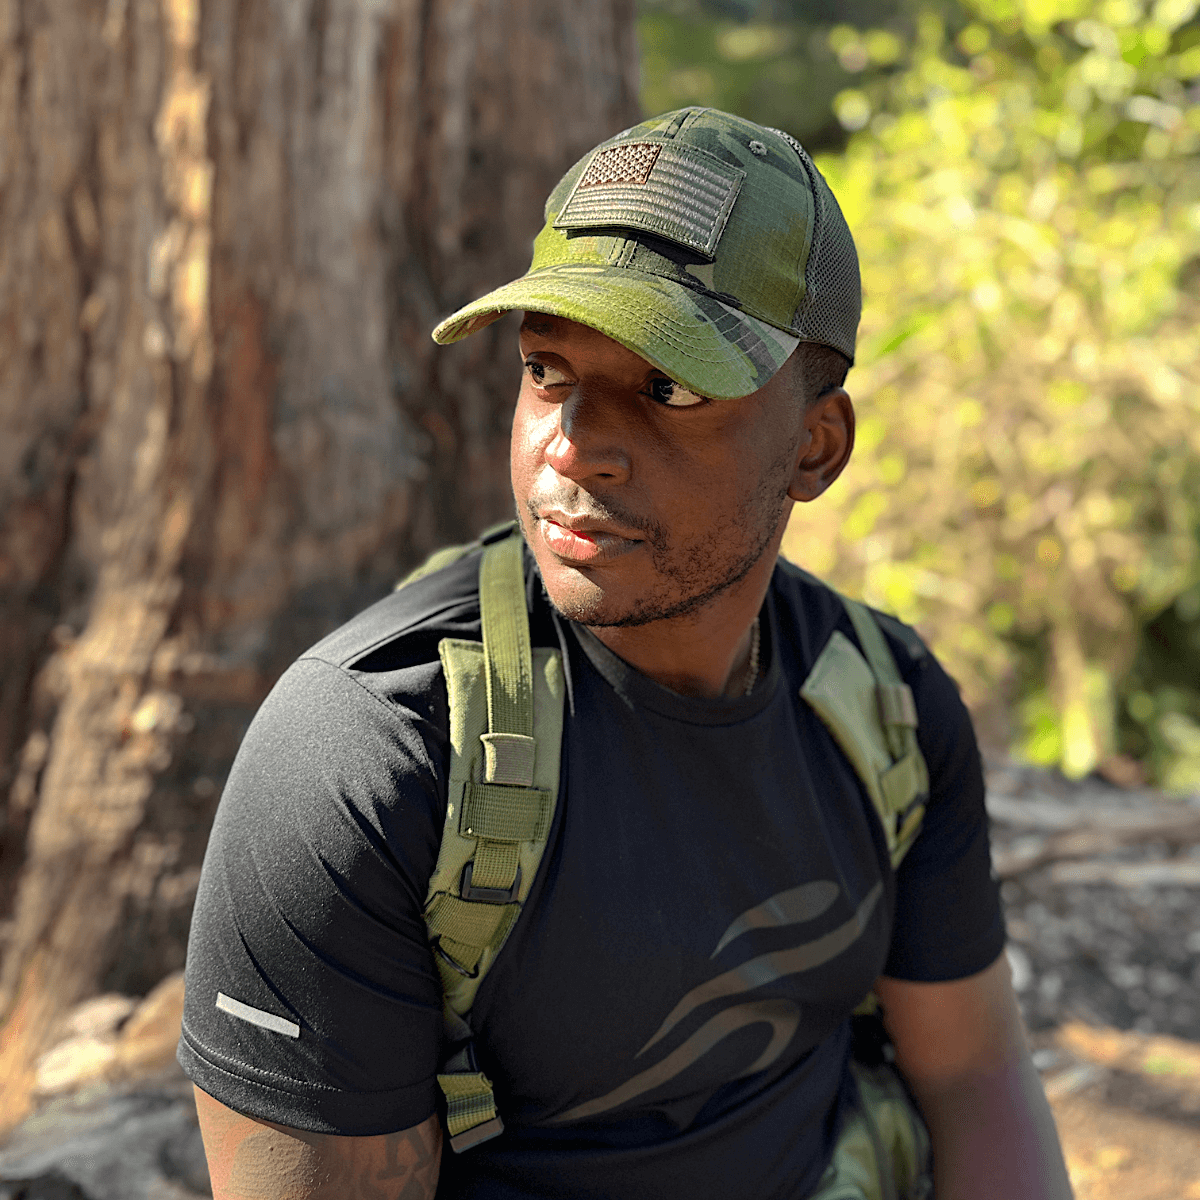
(1109, 981)
(1122, 1141)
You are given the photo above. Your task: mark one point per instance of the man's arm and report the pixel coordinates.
(961, 1047)
(256, 1160)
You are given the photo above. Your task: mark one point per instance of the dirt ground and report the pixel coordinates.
(1109, 982)
(1118, 1153)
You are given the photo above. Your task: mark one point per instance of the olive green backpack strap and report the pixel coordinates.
(871, 713)
(506, 715)
(451, 554)
(872, 716)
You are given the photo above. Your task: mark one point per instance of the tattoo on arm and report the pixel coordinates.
(411, 1159)
(255, 1160)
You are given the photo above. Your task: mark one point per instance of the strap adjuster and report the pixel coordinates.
(478, 1133)
(471, 1115)
(487, 895)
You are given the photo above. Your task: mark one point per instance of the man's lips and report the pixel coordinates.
(583, 539)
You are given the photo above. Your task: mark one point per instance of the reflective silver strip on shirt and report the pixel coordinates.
(256, 1016)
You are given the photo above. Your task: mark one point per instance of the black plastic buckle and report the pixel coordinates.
(462, 1060)
(485, 895)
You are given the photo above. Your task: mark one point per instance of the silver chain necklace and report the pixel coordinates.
(752, 672)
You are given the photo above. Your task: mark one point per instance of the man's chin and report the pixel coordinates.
(577, 595)
(580, 599)
(587, 603)
(623, 593)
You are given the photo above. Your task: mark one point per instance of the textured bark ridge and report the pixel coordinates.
(226, 228)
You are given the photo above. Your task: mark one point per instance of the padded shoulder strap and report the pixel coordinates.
(872, 716)
(451, 554)
(506, 718)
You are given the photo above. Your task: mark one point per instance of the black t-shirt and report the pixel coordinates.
(670, 1013)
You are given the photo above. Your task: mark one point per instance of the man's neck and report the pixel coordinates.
(706, 653)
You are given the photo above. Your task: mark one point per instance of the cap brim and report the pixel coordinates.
(700, 342)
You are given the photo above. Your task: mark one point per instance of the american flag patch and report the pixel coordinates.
(680, 193)
(621, 164)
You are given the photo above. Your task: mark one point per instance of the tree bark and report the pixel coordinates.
(226, 229)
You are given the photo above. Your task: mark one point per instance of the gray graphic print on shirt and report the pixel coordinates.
(793, 906)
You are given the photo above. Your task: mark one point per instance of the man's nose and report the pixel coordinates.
(591, 440)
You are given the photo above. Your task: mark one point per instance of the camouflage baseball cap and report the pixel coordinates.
(707, 244)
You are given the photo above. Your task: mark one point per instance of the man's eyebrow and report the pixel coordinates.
(537, 324)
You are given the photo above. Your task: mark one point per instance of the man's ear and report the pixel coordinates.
(828, 441)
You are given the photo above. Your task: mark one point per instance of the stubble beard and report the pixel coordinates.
(689, 576)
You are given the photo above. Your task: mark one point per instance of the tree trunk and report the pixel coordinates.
(226, 229)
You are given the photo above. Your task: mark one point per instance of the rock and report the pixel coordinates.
(99, 1017)
(1093, 949)
(45, 1187)
(103, 1048)
(73, 1063)
(149, 1037)
(1020, 967)
(118, 1121)
(111, 1142)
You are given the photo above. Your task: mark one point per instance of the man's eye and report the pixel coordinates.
(545, 376)
(667, 391)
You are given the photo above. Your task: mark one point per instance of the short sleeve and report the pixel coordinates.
(948, 922)
(311, 996)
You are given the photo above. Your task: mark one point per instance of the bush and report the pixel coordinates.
(1024, 189)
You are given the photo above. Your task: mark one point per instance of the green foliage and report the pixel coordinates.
(783, 64)
(1024, 189)
(1159, 717)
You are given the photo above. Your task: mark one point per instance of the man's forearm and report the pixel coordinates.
(994, 1136)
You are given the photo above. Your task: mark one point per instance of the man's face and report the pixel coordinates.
(639, 500)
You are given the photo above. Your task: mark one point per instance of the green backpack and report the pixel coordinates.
(506, 720)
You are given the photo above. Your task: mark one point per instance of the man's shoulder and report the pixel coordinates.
(403, 629)
(817, 610)
(369, 693)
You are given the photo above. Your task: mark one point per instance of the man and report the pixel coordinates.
(670, 1015)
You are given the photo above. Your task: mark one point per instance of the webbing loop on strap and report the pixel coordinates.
(471, 1115)
(468, 925)
(508, 659)
(890, 689)
(505, 814)
(509, 758)
(896, 705)
(496, 864)
(477, 894)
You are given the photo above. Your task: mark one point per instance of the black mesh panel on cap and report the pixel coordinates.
(832, 303)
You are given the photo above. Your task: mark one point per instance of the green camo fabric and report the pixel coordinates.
(687, 239)
(882, 1151)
